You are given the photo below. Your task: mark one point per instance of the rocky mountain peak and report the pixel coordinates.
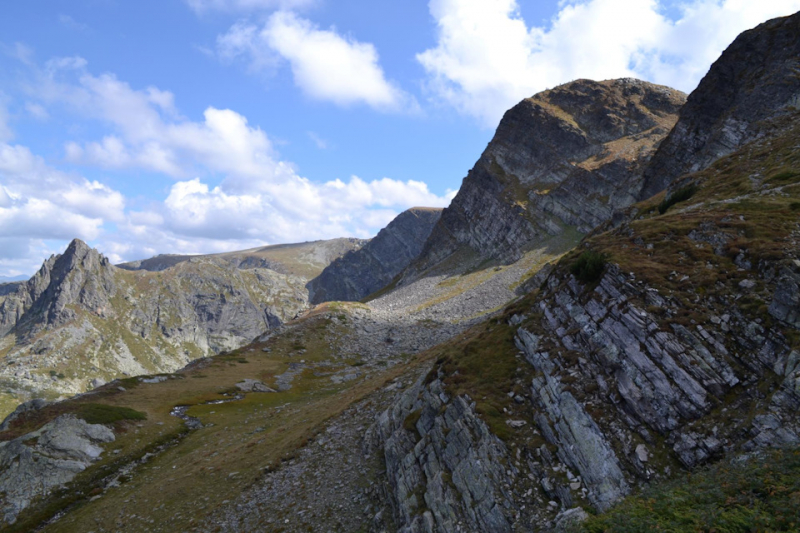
(566, 157)
(80, 276)
(754, 79)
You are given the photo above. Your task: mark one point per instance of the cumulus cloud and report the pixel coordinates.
(487, 58)
(41, 208)
(232, 190)
(29, 185)
(325, 65)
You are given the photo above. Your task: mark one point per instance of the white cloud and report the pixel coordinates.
(320, 143)
(42, 208)
(202, 6)
(234, 191)
(290, 210)
(487, 58)
(29, 184)
(325, 65)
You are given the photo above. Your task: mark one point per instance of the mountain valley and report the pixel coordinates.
(610, 305)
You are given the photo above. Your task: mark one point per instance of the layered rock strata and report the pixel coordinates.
(567, 157)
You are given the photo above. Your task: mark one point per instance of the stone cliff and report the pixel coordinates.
(362, 272)
(678, 349)
(567, 157)
(754, 80)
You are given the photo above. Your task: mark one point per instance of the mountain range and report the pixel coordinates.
(609, 306)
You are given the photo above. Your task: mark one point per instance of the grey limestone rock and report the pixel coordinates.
(34, 464)
(443, 465)
(565, 423)
(253, 385)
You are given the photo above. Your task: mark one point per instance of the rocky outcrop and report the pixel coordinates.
(443, 465)
(565, 424)
(362, 272)
(80, 318)
(33, 465)
(754, 79)
(567, 157)
(81, 276)
(32, 405)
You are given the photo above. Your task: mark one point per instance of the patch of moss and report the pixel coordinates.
(410, 423)
(681, 195)
(98, 413)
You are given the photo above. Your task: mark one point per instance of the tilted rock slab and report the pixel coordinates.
(34, 464)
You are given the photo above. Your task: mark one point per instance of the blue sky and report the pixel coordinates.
(195, 126)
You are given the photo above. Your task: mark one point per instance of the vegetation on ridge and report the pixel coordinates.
(761, 493)
(589, 266)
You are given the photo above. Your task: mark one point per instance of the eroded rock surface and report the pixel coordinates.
(34, 464)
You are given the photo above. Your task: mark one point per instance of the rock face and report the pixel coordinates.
(362, 272)
(80, 318)
(755, 79)
(34, 464)
(567, 157)
(682, 350)
(444, 467)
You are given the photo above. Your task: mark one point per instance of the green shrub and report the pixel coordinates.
(99, 413)
(589, 266)
(681, 195)
(759, 494)
(794, 206)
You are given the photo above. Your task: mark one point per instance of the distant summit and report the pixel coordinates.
(362, 272)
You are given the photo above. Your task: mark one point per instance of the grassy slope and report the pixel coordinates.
(205, 467)
(759, 494)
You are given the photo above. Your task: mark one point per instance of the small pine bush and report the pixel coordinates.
(589, 266)
(681, 195)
